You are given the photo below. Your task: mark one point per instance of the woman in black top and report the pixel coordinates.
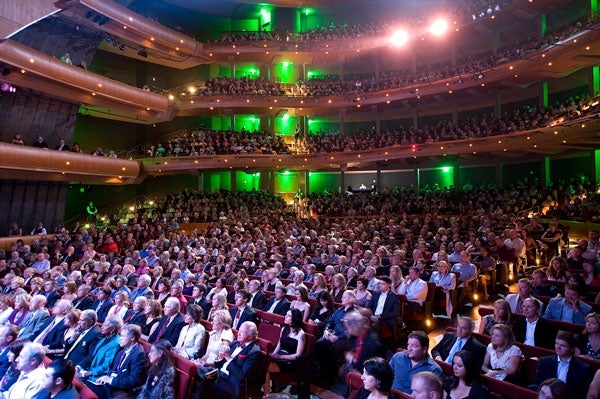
(465, 383)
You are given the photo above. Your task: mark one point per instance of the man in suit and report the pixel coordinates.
(84, 300)
(199, 298)
(278, 303)
(129, 368)
(136, 314)
(31, 365)
(143, 288)
(525, 288)
(87, 334)
(385, 308)
(241, 361)
(449, 344)
(52, 296)
(170, 324)
(568, 308)
(242, 312)
(51, 335)
(58, 381)
(103, 304)
(8, 334)
(565, 366)
(363, 342)
(258, 299)
(532, 329)
(34, 322)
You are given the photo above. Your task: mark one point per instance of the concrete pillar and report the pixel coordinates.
(498, 104)
(499, 177)
(231, 60)
(342, 116)
(266, 181)
(233, 181)
(265, 70)
(200, 181)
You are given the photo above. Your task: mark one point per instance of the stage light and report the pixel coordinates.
(399, 38)
(438, 27)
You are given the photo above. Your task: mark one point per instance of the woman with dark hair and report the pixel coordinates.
(377, 378)
(12, 373)
(465, 383)
(553, 388)
(291, 344)
(161, 374)
(164, 290)
(323, 309)
(363, 297)
(301, 302)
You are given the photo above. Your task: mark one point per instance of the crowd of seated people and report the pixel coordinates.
(61, 145)
(463, 12)
(246, 243)
(211, 142)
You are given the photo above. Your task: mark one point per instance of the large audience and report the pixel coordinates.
(145, 277)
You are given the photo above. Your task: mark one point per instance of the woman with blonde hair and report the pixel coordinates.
(319, 284)
(502, 358)
(502, 315)
(219, 302)
(220, 335)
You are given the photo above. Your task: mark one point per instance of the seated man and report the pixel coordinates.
(35, 321)
(415, 290)
(385, 308)
(532, 329)
(278, 303)
(363, 342)
(565, 366)
(58, 381)
(31, 365)
(242, 312)
(170, 324)
(468, 276)
(128, 370)
(240, 360)
(426, 385)
(462, 340)
(524, 287)
(541, 286)
(568, 308)
(412, 361)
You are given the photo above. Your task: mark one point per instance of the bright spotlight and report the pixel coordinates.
(399, 38)
(439, 27)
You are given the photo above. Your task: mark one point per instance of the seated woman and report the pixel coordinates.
(501, 315)
(153, 312)
(445, 282)
(12, 373)
(363, 297)
(588, 343)
(301, 302)
(219, 302)
(192, 334)
(220, 335)
(291, 344)
(502, 358)
(161, 375)
(323, 309)
(377, 378)
(465, 382)
(319, 285)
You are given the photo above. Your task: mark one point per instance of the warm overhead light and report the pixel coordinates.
(130, 19)
(399, 38)
(438, 27)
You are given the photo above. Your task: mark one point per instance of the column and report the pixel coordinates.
(417, 179)
(200, 177)
(595, 157)
(542, 25)
(543, 101)
(378, 180)
(231, 60)
(499, 177)
(377, 119)
(233, 181)
(545, 165)
(342, 116)
(594, 81)
(266, 181)
(303, 181)
(592, 8)
(343, 168)
(498, 104)
(415, 118)
(265, 70)
(456, 177)
(232, 120)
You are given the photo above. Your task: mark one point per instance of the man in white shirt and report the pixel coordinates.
(298, 281)
(518, 247)
(532, 329)
(31, 365)
(373, 282)
(415, 290)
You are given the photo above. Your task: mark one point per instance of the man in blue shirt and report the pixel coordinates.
(468, 276)
(412, 361)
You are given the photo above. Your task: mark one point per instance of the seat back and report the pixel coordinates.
(252, 385)
(270, 332)
(84, 391)
(506, 390)
(354, 382)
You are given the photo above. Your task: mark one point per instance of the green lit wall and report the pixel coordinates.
(286, 182)
(316, 125)
(219, 122)
(252, 71)
(350, 127)
(442, 176)
(286, 125)
(513, 173)
(567, 168)
(323, 181)
(397, 179)
(286, 72)
(247, 181)
(239, 25)
(476, 176)
(248, 122)
(214, 181)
